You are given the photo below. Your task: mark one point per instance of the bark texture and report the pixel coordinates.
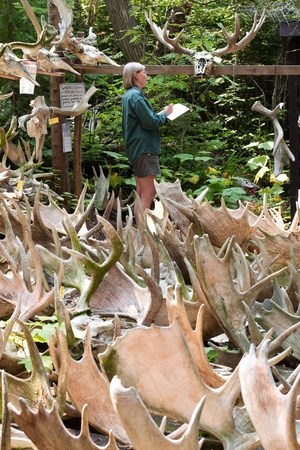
(121, 19)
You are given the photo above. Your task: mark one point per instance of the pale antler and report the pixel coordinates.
(37, 423)
(271, 412)
(141, 427)
(232, 46)
(156, 375)
(281, 151)
(87, 385)
(163, 36)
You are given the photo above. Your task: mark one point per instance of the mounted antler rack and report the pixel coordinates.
(203, 60)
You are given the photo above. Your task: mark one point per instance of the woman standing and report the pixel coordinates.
(140, 126)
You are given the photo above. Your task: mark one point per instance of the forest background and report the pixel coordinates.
(220, 144)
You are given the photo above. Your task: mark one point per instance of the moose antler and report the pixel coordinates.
(37, 423)
(86, 384)
(163, 36)
(265, 404)
(145, 433)
(281, 151)
(232, 46)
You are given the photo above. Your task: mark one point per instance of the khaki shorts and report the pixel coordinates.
(146, 164)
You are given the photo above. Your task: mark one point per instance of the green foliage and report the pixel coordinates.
(44, 327)
(41, 329)
(211, 354)
(271, 187)
(226, 188)
(259, 163)
(46, 360)
(18, 26)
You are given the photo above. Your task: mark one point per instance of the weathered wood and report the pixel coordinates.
(232, 70)
(39, 72)
(59, 159)
(255, 70)
(77, 151)
(292, 58)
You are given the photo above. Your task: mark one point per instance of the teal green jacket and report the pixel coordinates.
(140, 125)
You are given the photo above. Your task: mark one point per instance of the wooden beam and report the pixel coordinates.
(257, 70)
(230, 69)
(39, 72)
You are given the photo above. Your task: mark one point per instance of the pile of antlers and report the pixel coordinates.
(178, 288)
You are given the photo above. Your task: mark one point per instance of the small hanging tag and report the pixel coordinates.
(53, 120)
(19, 189)
(61, 292)
(26, 86)
(20, 185)
(66, 137)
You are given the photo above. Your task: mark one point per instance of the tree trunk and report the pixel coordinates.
(121, 20)
(9, 20)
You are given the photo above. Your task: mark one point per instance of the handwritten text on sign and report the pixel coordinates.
(71, 94)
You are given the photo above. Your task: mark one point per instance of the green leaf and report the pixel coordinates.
(267, 145)
(44, 333)
(184, 156)
(46, 360)
(211, 354)
(233, 195)
(113, 154)
(257, 162)
(203, 158)
(261, 173)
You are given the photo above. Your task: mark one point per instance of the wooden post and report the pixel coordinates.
(59, 159)
(291, 33)
(77, 152)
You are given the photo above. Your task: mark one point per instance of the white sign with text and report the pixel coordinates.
(71, 94)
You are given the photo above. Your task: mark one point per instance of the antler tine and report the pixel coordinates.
(31, 15)
(157, 31)
(175, 42)
(232, 44)
(163, 36)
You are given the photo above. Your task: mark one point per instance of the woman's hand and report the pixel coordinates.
(168, 109)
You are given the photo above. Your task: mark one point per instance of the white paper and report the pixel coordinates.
(70, 94)
(66, 137)
(26, 86)
(178, 110)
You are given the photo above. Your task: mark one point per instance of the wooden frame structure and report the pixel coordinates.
(292, 71)
(218, 70)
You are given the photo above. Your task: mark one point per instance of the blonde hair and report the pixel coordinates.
(128, 73)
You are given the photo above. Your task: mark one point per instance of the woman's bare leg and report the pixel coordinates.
(146, 191)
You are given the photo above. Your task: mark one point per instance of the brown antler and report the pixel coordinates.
(232, 44)
(163, 36)
(267, 407)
